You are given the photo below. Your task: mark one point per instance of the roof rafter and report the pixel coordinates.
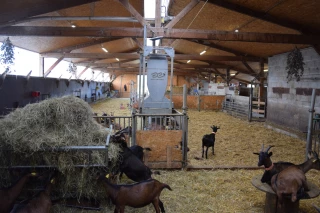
(83, 45)
(134, 12)
(137, 56)
(178, 66)
(262, 16)
(118, 32)
(183, 12)
(16, 10)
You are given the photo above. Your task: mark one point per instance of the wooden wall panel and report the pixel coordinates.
(207, 102)
(159, 141)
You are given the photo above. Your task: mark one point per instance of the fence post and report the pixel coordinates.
(184, 128)
(311, 111)
(134, 127)
(250, 105)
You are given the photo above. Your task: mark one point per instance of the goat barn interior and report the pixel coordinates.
(93, 89)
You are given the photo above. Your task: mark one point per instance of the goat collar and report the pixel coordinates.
(269, 168)
(213, 133)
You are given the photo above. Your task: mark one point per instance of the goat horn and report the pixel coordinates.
(269, 148)
(262, 147)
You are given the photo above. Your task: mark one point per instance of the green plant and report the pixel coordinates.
(72, 68)
(7, 54)
(295, 65)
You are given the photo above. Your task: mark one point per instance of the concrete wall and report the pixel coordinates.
(289, 102)
(15, 91)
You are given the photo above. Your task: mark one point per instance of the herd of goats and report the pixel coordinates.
(285, 179)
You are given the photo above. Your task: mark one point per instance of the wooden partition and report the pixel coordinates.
(202, 102)
(165, 146)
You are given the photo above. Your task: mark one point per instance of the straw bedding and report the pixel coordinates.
(217, 190)
(224, 190)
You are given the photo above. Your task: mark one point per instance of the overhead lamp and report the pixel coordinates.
(104, 49)
(265, 70)
(117, 59)
(73, 26)
(232, 74)
(236, 30)
(203, 52)
(188, 61)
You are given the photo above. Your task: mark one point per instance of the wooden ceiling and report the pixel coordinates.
(265, 28)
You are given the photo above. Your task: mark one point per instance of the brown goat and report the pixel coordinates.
(136, 195)
(288, 182)
(9, 195)
(42, 203)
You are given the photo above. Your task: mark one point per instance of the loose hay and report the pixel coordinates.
(49, 124)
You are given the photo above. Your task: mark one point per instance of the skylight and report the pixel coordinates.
(150, 8)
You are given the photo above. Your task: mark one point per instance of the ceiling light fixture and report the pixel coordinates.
(73, 26)
(203, 52)
(104, 49)
(232, 74)
(117, 59)
(265, 70)
(236, 30)
(188, 61)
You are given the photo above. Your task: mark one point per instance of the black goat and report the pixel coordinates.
(139, 151)
(130, 164)
(208, 141)
(270, 167)
(136, 195)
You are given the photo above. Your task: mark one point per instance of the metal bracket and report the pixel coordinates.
(169, 51)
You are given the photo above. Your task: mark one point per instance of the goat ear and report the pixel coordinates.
(256, 153)
(270, 154)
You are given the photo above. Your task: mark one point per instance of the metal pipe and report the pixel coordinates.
(73, 18)
(311, 111)
(144, 64)
(184, 104)
(171, 80)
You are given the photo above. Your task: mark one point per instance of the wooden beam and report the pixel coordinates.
(137, 56)
(134, 12)
(241, 80)
(83, 45)
(137, 42)
(219, 47)
(115, 65)
(182, 13)
(52, 66)
(248, 67)
(262, 16)
(15, 10)
(158, 14)
(83, 71)
(118, 32)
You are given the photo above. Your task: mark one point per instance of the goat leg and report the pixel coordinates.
(202, 151)
(161, 206)
(207, 152)
(155, 203)
(212, 150)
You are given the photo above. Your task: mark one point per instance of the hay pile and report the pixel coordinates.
(52, 123)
